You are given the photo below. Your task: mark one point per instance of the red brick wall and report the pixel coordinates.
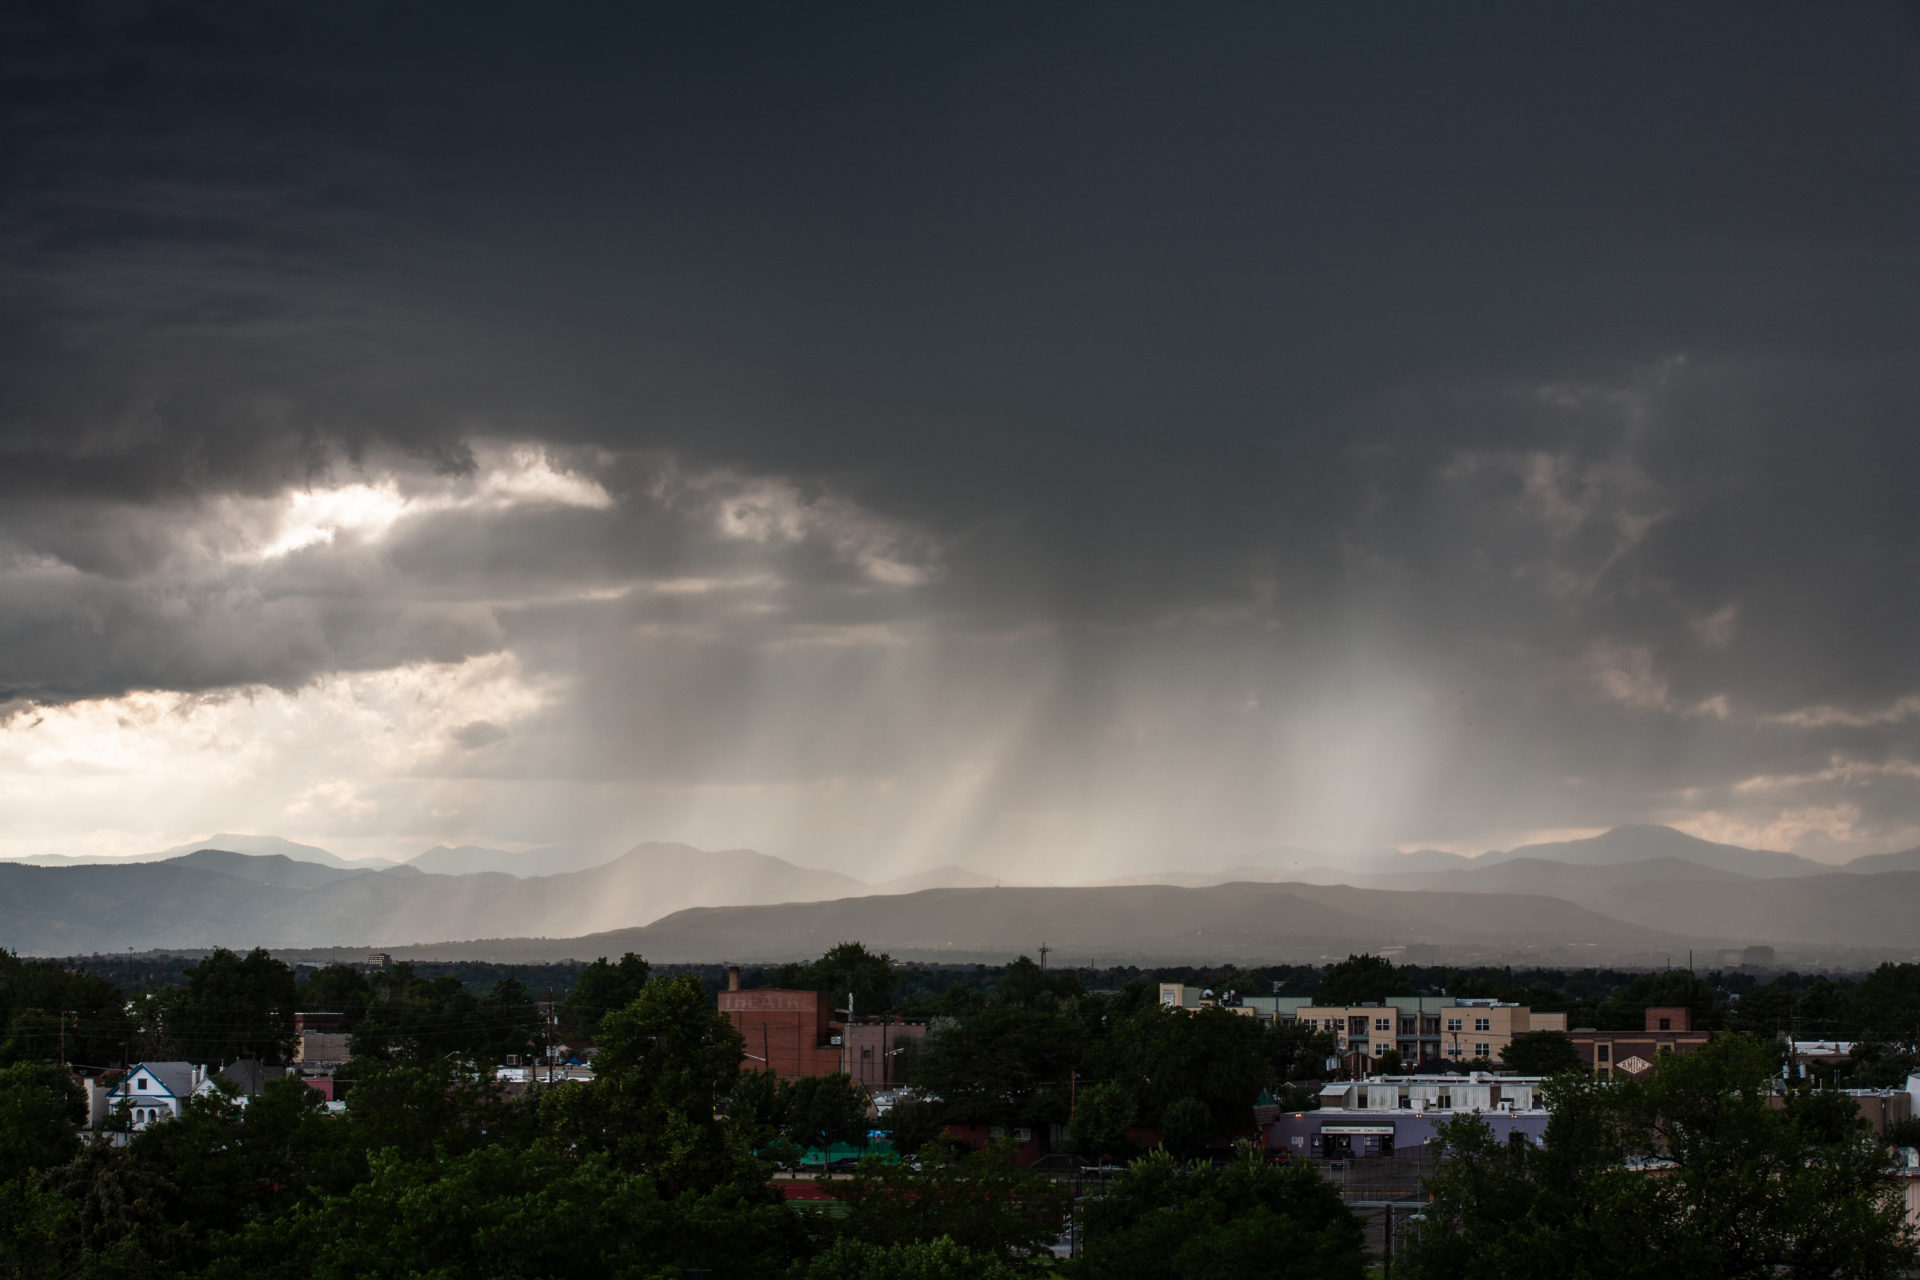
(1677, 1018)
(789, 1029)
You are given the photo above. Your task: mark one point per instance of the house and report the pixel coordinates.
(154, 1091)
(249, 1077)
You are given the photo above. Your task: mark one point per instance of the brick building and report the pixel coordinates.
(790, 1031)
(1631, 1054)
(796, 1034)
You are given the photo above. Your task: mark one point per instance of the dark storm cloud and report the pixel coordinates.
(1553, 373)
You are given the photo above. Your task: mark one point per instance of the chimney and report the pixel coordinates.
(733, 977)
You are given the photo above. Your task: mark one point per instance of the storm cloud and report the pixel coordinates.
(1079, 438)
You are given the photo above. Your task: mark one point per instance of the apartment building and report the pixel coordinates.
(1419, 1028)
(1426, 1028)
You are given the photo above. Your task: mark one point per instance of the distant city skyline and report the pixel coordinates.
(1055, 443)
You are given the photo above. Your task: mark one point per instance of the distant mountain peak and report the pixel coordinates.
(257, 846)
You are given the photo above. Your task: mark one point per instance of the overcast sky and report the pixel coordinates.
(1052, 439)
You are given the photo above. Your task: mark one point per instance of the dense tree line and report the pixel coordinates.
(662, 1162)
(1702, 1169)
(50, 1012)
(655, 1167)
(1039, 1049)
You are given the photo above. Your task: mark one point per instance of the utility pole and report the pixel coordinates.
(846, 1039)
(1044, 948)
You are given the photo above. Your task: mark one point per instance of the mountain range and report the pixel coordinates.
(1632, 891)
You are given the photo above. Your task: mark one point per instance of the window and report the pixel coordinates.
(1666, 1024)
(1666, 1048)
(1483, 1024)
(1383, 1024)
(1483, 1051)
(1601, 1051)
(1314, 1023)
(1453, 1024)
(1379, 1048)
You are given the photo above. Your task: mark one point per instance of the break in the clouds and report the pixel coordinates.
(1053, 441)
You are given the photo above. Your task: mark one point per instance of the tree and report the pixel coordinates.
(1886, 1005)
(1361, 979)
(1541, 1053)
(667, 1062)
(40, 1115)
(601, 990)
(938, 1259)
(1626, 1010)
(1101, 1119)
(822, 1111)
(338, 988)
(913, 1123)
(420, 1020)
(1746, 1184)
(1210, 1054)
(47, 1010)
(979, 1200)
(847, 968)
(1025, 985)
(419, 1109)
(118, 1205)
(1296, 1051)
(508, 1023)
(234, 1007)
(36, 1228)
(1165, 1220)
(495, 1212)
(1004, 1064)
(1186, 1127)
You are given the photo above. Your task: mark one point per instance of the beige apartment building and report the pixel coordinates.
(1419, 1028)
(1425, 1028)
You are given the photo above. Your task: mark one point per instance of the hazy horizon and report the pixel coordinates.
(1061, 444)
